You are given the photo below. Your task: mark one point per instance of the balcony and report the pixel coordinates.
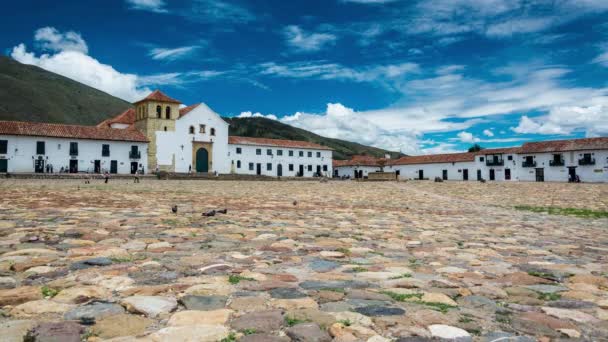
(556, 162)
(495, 162)
(586, 161)
(134, 155)
(73, 153)
(528, 164)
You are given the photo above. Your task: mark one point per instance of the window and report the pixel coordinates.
(309, 154)
(239, 150)
(290, 153)
(309, 167)
(159, 112)
(509, 157)
(258, 151)
(40, 147)
(318, 154)
(301, 153)
(213, 131)
(73, 148)
(290, 165)
(191, 130)
(269, 152)
(250, 166)
(3, 146)
(325, 168)
(480, 159)
(168, 112)
(238, 164)
(269, 166)
(279, 152)
(105, 150)
(201, 128)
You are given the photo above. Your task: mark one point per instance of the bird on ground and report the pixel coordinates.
(174, 209)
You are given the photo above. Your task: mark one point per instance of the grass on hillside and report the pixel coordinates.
(587, 213)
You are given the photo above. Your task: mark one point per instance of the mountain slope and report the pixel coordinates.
(267, 128)
(29, 93)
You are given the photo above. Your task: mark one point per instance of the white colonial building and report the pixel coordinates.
(557, 161)
(156, 135)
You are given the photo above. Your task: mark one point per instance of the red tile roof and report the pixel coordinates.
(359, 160)
(275, 142)
(434, 158)
(186, 110)
(69, 131)
(565, 145)
(127, 117)
(504, 150)
(157, 95)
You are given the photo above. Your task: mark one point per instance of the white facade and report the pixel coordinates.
(282, 161)
(200, 125)
(22, 155)
(453, 171)
(574, 161)
(349, 171)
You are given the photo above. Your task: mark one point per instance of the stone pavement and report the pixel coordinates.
(300, 261)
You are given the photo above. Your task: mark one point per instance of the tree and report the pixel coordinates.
(475, 148)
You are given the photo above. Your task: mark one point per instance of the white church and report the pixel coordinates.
(155, 135)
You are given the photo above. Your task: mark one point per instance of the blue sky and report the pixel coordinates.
(417, 76)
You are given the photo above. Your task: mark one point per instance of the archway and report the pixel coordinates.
(202, 160)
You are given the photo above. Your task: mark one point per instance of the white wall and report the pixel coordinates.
(248, 155)
(169, 144)
(432, 170)
(586, 173)
(57, 152)
(349, 171)
(499, 170)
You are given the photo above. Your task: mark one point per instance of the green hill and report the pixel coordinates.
(29, 93)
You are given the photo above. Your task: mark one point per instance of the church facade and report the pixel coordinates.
(157, 134)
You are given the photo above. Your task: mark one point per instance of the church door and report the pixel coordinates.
(202, 160)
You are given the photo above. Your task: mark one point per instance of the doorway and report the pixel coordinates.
(258, 169)
(540, 174)
(301, 171)
(39, 165)
(134, 166)
(98, 166)
(319, 170)
(421, 174)
(507, 174)
(3, 165)
(113, 166)
(571, 173)
(279, 170)
(465, 174)
(73, 166)
(492, 175)
(478, 175)
(444, 175)
(202, 160)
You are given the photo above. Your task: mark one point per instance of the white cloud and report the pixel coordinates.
(172, 54)
(157, 6)
(488, 133)
(517, 26)
(593, 120)
(601, 59)
(257, 115)
(48, 38)
(467, 137)
(301, 41)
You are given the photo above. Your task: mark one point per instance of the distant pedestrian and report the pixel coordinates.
(107, 177)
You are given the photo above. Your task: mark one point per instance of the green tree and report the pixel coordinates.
(475, 148)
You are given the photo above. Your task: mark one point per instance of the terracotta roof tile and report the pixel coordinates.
(565, 145)
(157, 95)
(434, 158)
(503, 150)
(69, 131)
(186, 110)
(127, 117)
(275, 142)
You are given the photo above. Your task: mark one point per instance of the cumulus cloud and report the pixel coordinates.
(257, 115)
(301, 41)
(467, 137)
(593, 120)
(157, 6)
(48, 38)
(488, 133)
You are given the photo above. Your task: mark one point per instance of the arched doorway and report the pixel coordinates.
(202, 160)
